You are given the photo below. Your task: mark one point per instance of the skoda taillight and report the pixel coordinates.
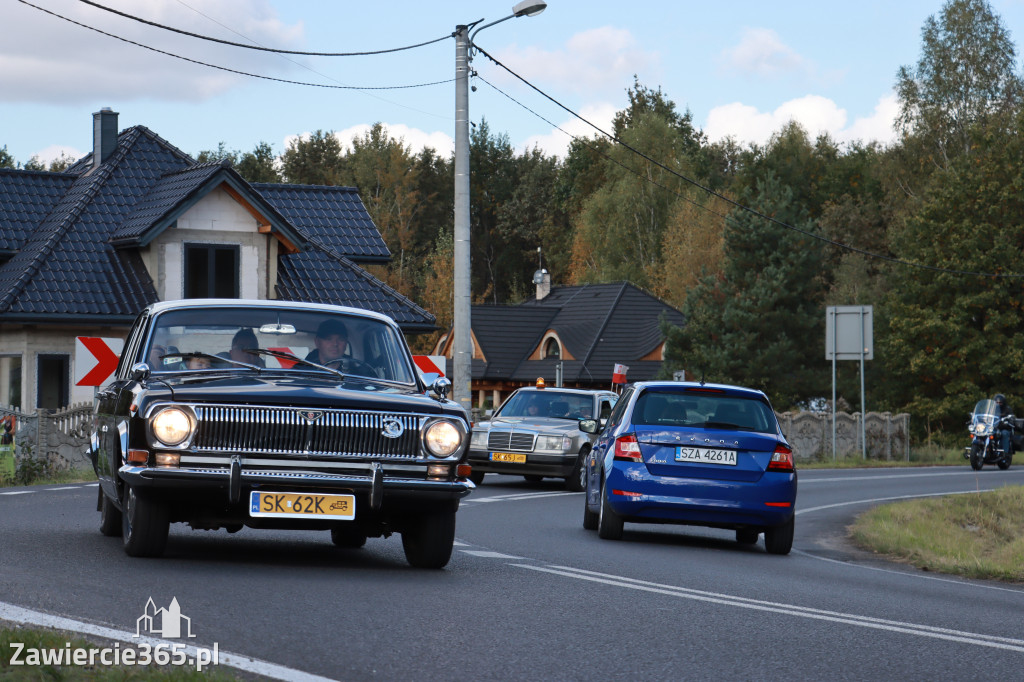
(628, 449)
(782, 460)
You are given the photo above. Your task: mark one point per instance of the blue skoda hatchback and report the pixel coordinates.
(693, 454)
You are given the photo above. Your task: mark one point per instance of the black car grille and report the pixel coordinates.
(510, 440)
(290, 432)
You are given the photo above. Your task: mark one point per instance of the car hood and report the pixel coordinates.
(294, 390)
(546, 424)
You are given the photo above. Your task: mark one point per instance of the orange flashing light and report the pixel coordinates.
(138, 456)
(540, 382)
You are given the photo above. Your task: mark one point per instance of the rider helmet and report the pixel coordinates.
(1000, 399)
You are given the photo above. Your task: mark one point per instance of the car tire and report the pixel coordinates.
(110, 517)
(428, 540)
(348, 537)
(477, 477)
(144, 525)
(609, 524)
(779, 539)
(746, 536)
(577, 480)
(590, 518)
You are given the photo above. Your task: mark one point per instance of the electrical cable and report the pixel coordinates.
(736, 204)
(258, 47)
(236, 71)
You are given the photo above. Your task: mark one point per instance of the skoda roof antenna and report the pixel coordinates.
(702, 377)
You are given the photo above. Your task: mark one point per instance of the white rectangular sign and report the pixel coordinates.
(849, 332)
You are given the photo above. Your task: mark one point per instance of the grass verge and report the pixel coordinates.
(56, 641)
(977, 535)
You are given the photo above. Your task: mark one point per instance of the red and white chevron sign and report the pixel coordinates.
(430, 364)
(96, 359)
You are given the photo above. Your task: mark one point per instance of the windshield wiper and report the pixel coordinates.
(294, 358)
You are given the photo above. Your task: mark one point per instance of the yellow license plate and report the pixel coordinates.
(302, 505)
(508, 457)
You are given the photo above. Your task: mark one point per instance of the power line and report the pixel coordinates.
(733, 203)
(257, 47)
(235, 71)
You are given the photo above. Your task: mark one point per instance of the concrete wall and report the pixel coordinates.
(810, 434)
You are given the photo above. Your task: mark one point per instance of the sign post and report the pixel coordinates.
(849, 335)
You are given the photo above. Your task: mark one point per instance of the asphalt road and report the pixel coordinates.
(531, 595)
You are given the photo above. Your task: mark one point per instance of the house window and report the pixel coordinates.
(53, 379)
(552, 349)
(211, 271)
(10, 380)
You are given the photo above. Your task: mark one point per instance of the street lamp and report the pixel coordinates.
(462, 341)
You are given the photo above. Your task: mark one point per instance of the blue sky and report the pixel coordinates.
(742, 68)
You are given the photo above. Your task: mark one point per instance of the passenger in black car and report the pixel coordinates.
(331, 342)
(244, 339)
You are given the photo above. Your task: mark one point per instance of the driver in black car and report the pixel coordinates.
(331, 342)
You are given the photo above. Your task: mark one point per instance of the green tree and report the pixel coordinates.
(316, 160)
(258, 165)
(620, 228)
(753, 323)
(966, 76)
(953, 338)
(6, 160)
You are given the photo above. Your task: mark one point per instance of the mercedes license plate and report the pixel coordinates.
(508, 457)
(706, 456)
(302, 505)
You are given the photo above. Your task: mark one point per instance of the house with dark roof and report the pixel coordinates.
(577, 332)
(138, 221)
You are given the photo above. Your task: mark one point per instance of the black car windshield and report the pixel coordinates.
(247, 338)
(548, 403)
(704, 409)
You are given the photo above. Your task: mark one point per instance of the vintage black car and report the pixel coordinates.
(270, 414)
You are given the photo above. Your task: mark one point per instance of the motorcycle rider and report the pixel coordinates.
(1006, 428)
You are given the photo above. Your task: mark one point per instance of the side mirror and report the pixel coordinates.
(140, 371)
(441, 387)
(589, 426)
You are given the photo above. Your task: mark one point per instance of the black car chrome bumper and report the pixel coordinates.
(235, 481)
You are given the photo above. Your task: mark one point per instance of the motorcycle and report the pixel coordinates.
(986, 443)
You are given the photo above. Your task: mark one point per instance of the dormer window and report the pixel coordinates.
(552, 349)
(211, 271)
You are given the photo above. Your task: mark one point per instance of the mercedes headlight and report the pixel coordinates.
(442, 439)
(171, 426)
(478, 439)
(554, 443)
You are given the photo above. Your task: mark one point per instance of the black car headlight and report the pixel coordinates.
(443, 438)
(171, 426)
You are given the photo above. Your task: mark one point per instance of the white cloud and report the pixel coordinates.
(51, 60)
(54, 152)
(815, 113)
(598, 61)
(413, 138)
(556, 143)
(762, 53)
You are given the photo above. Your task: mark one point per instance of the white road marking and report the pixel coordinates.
(24, 616)
(68, 487)
(915, 629)
(488, 554)
(891, 499)
(516, 496)
(18, 492)
(958, 472)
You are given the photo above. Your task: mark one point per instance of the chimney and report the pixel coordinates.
(542, 278)
(104, 135)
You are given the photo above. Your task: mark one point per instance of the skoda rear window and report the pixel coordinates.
(703, 410)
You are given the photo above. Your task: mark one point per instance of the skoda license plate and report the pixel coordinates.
(508, 457)
(302, 505)
(706, 456)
